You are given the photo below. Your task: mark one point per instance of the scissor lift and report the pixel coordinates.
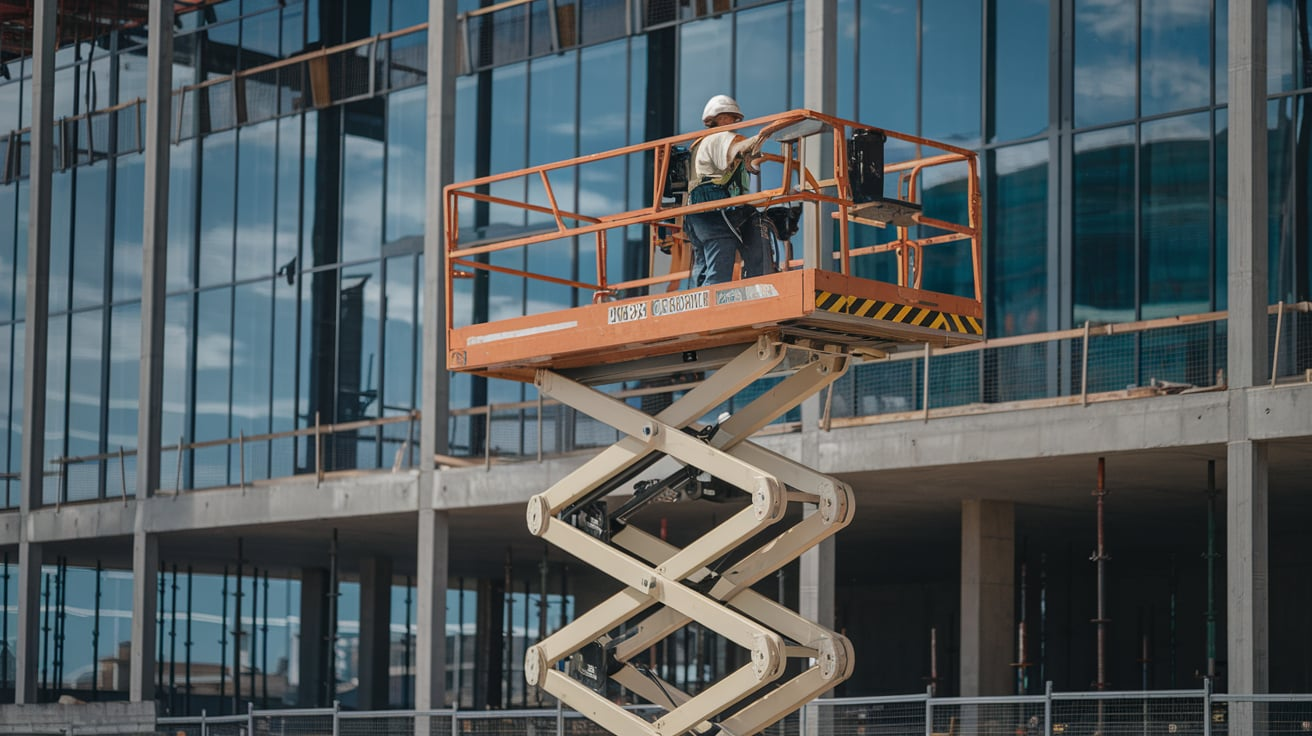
(806, 323)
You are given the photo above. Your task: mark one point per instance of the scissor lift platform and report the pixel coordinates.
(826, 306)
(802, 326)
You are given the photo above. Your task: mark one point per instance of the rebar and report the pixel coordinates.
(4, 626)
(186, 646)
(173, 640)
(223, 638)
(264, 644)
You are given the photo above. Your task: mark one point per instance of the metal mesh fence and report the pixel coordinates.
(1059, 714)
(274, 724)
(1126, 715)
(874, 717)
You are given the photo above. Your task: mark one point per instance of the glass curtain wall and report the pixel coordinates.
(293, 261)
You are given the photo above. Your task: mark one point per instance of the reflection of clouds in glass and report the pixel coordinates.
(213, 352)
(1018, 158)
(1187, 127)
(1110, 20)
(1164, 13)
(1176, 82)
(1106, 84)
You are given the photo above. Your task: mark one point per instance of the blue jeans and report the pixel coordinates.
(714, 242)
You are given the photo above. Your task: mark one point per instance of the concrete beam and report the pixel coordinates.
(154, 248)
(988, 588)
(430, 609)
(145, 571)
(375, 632)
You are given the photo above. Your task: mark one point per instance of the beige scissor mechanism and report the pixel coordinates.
(681, 583)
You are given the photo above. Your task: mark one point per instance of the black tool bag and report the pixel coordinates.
(784, 219)
(676, 177)
(865, 165)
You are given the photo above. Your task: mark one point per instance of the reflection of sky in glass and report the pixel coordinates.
(950, 34)
(1175, 66)
(1019, 54)
(705, 61)
(886, 52)
(1017, 240)
(1175, 216)
(8, 248)
(1103, 265)
(1105, 36)
(762, 50)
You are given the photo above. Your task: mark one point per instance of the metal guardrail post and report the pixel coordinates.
(337, 724)
(487, 438)
(929, 691)
(204, 727)
(241, 457)
(539, 426)
(318, 452)
(177, 487)
(250, 718)
(1207, 706)
(1275, 350)
(925, 388)
(122, 476)
(560, 718)
(455, 720)
(1047, 709)
(1084, 367)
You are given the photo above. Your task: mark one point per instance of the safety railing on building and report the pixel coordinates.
(1086, 365)
(315, 79)
(1197, 712)
(324, 450)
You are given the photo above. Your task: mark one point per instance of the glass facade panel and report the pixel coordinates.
(406, 119)
(761, 64)
(61, 221)
(1106, 35)
(950, 62)
(129, 185)
(1018, 68)
(212, 386)
(85, 364)
(1017, 245)
(56, 405)
(9, 422)
(89, 236)
(257, 198)
(8, 249)
(705, 68)
(1175, 64)
(1281, 199)
(1103, 262)
(122, 401)
(362, 180)
(1175, 217)
(217, 185)
(182, 221)
(252, 350)
(886, 51)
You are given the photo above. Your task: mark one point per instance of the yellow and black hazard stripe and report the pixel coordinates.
(895, 312)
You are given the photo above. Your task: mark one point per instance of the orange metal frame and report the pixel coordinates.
(513, 347)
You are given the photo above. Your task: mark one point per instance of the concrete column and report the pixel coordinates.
(988, 588)
(145, 578)
(28, 653)
(312, 656)
(439, 167)
(430, 608)
(1246, 558)
(154, 244)
(375, 632)
(32, 463)
(819, 75)
(1247, 361)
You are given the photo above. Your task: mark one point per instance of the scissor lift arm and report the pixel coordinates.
(679, 579)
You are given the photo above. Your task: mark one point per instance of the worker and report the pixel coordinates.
(721, 162)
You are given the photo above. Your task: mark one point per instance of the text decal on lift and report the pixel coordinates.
(680, 303)
(626, 312)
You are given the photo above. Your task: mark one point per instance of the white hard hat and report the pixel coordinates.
(719, 105)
